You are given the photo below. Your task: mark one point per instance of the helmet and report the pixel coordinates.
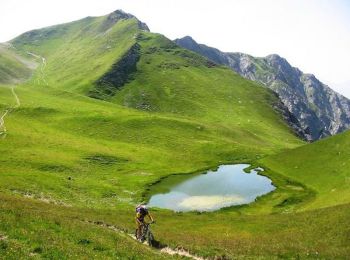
(142, 207)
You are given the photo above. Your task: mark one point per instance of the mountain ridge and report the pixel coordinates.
(320, 110)
(116, 59)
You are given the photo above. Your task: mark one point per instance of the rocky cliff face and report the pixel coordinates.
(318, 109)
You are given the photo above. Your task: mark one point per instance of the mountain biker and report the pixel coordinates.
(141, 213)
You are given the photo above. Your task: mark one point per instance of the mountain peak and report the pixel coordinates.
(188, 42)
(274, 57)
(279, 62)
(188, 38)
(119, 14)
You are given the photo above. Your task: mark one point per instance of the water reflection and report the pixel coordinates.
(227, 186)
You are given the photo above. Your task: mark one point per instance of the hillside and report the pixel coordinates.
(134, 68)
(113, 108)
(76, 54)
(320, 111)
(322, 166)
(14, 68)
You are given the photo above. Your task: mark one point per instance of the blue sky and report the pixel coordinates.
(313, 35)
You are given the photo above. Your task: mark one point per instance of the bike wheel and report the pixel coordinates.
(150, 239)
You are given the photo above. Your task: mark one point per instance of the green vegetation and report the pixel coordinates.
(322, 166)
(78, 53)
(68, 158)
(40, 230)
(13, 67)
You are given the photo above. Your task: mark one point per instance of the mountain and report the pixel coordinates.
(319, 110)
(74, 55)
(116, 59)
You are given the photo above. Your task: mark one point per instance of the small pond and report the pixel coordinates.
(227, 186)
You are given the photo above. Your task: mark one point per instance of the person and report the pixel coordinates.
(141, 213)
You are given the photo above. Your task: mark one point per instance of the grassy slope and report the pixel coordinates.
(173, 80)
(39, 230)
(67, 149)
(322, 166)
(7, 99)
(61, 233)
(80, 52)
(13, 67)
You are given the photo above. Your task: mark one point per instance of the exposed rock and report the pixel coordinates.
(292, 121)
(315, 109)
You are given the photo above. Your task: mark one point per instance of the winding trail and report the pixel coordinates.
(3, 130)
(18, 102)
(162, 248)
(42, 67)
(2, 123)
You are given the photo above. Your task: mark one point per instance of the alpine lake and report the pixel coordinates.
(227, 186)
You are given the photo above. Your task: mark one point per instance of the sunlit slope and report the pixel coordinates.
(322, 166)
(78, 53)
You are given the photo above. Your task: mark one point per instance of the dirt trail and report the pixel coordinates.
(3, 129)
(161, 248)
(42, 67)
(2, 123)
(18, 102)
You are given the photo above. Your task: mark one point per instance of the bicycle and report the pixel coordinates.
(146, 234)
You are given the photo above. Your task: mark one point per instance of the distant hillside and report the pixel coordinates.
(320, 111)
(13, 67)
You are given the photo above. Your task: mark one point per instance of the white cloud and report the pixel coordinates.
(313, 35)
(209, 203)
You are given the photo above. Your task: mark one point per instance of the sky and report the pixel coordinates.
(313, 35)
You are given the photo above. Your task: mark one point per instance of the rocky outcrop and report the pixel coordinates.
(120, 73)
(318, 110)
